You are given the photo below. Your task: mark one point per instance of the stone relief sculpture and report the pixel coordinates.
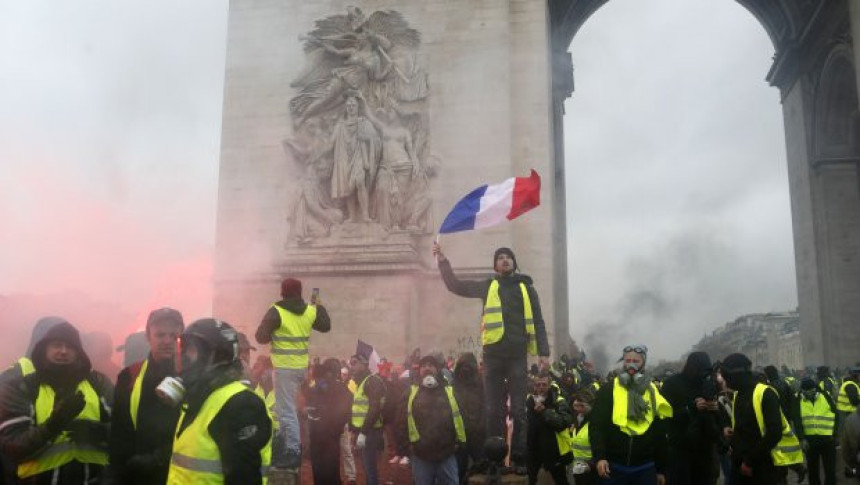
(360, 128)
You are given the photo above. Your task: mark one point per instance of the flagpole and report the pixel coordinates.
(436, 241)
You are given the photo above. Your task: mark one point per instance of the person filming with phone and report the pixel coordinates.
(287, 326)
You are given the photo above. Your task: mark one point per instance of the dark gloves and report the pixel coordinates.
(65, 410)
(88, 432)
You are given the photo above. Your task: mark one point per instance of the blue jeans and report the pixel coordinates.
(434, 472)
(288, 382)
(374, 443)
(629, 475)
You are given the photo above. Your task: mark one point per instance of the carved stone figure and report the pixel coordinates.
(363, 93)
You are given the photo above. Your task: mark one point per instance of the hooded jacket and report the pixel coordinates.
(514, 342)
(433, 420)
(20, 437)
(272, 319)
(689, 429)
(469, 392)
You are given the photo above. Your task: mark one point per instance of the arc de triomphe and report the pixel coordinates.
(350, 127)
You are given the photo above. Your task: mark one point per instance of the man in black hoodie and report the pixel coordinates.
(693, 431)
(142, 426)
(512, 328)
(287, 326)
(469, 391)
(55, 421)
(328, 410)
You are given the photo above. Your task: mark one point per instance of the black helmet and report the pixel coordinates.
(219, 338)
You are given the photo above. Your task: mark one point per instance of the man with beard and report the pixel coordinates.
(628, 425)
(548, 439)
(142, 425)
(328, 405)
(469, 392)
(761, 438)
(54, 421)
(430, 417)
(224, 433)
(512, 327)
(693, 432)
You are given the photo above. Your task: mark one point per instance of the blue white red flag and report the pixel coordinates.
(489, 205)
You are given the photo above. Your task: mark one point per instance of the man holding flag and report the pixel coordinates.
(512, 325)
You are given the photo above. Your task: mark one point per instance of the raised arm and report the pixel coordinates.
(465, 288)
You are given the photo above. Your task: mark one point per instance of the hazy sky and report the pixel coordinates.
(678, 199)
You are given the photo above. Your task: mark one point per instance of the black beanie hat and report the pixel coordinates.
(737, 363)
(507, 251)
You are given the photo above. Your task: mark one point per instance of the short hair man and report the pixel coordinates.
(287, 326)
(628, 425)
(512, 327)
(54, 421)
(142, 425)
(548, 439)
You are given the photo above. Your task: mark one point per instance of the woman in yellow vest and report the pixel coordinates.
(224, 434)
(761, 438)
(583, 469)
(815, 425)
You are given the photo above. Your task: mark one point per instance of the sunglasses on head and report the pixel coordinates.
(639, 349)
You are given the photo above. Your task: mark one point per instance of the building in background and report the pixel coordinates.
(766, 338)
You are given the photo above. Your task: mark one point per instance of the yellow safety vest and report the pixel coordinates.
(290, 340)
(196, 458)
(492, 323)
(787, 451)
(595, 385)
(817, 418)
(134, 400)
(455, 414)
(26, 366)
(361, 405)
(842, 402)
(619, 409)
(823, 386)
(580, 443)
(62, 449)
(269, 399)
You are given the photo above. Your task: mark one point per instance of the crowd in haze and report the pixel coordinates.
(192, 407)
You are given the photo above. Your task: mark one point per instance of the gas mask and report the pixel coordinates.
(430, 382)
(171, 390)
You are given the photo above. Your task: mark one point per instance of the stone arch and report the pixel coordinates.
(836, 108)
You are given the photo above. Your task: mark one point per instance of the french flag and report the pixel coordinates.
(489, 205)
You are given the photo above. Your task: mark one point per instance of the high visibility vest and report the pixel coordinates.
(619, 409)
(787, 451)
(817, 418)
(290, 339)
(26, 366)
(580, 443)
(842, 402)
(62, 449)
(269, 399)
(827, 384)
(196, 458)
(492, 323)
(455, 414)
(361, 405)
(134, 400)
(595, 385)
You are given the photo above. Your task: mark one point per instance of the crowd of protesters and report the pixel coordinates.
(195, 409)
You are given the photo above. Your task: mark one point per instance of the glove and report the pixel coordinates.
(65, 411)
(360, 441)
(88, 432)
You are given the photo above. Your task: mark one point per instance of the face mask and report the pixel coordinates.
(430, 382)
(171, 390)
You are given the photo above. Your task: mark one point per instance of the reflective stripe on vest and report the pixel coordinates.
(492, 323)
(290, 339)
(134, 401)
(842, 402)
(196, 458)
(581, 444)
(619, 409)
(787, 451)
(817, 418)
(26, 366)
(269, 399)
(62, 449)
(361, 405)
(459, 428)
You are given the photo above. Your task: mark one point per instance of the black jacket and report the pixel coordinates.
(798, 420)
(272, 319)
(328, 410)
(608, 442)
(689, 429)
(515, 340)
(433, 420)
(469, 392)
(542, 429)
(240, 430)
(374, 389)
(141, 455)
(748, 443)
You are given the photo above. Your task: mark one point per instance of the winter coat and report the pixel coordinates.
(542, 429)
